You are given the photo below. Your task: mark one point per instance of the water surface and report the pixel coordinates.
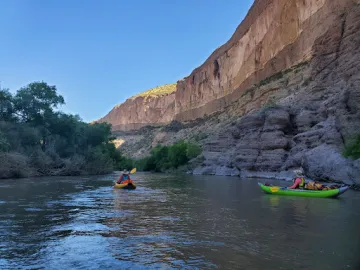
(188, 222)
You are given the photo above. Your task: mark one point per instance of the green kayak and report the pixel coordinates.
(303, 193)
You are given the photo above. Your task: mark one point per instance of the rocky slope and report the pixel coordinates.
(286, 89)
(309, 126)
(155, 106)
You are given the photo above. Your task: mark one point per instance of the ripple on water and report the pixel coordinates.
(158, 250)
(33, 209)
(4, 264)
(94, 253)
(78, 228)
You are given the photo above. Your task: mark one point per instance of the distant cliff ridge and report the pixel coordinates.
(155, 106)
(276, 35)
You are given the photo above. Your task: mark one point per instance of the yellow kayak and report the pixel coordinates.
(126, 185)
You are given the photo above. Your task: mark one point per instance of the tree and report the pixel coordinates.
(193, 150)
(352, 148)
(36, 101)
(6, 105)
(177, 154)
(35, 104)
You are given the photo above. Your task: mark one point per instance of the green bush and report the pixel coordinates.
(51, 141)
(352, 148)
(193, 150)
(163, 158)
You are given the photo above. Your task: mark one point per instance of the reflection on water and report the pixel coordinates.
(172, 222)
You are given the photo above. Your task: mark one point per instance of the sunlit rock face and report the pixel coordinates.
(274, 36)
(147, 108)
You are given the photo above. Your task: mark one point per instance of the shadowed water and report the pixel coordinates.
(188, 222)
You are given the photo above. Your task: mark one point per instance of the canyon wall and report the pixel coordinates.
(302, 116)
(274, 36)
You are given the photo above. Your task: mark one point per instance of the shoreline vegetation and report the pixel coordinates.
(37, 139)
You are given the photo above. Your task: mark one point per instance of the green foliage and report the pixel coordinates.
(35, 102)
(168, 157)
(281, 74)
(352, 148)
(178, 154)
(53, 142)
(6, 105)
(193, 150)
(274, 77)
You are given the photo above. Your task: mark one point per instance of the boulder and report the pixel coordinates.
(325, 163)
(273, 140)
(226, 171)
(276, 119)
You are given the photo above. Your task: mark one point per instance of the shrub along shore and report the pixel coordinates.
(37, 139)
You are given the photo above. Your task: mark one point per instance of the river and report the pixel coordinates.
(169, 221)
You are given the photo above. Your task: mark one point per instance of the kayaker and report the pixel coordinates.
(299, 181)
(124, 176)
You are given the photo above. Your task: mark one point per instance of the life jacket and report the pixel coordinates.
(124, 179)
(302, 183)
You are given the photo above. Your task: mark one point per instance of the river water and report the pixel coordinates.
(188, 222)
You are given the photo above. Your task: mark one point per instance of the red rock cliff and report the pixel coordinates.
(156, 106)
(274, 36)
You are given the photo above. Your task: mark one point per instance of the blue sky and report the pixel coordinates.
(100, 52)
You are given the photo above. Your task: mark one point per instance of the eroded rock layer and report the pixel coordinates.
(283, 93)
(274, 36)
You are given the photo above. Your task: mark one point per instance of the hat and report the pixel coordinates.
(125, 171)
(299, 172)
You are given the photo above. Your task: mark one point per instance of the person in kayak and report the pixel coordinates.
(124, 177)
(299, 181)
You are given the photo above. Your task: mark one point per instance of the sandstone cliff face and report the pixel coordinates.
(274, 36)
(285, 89)
(309, 126)
(141, 111)
(310, 111)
